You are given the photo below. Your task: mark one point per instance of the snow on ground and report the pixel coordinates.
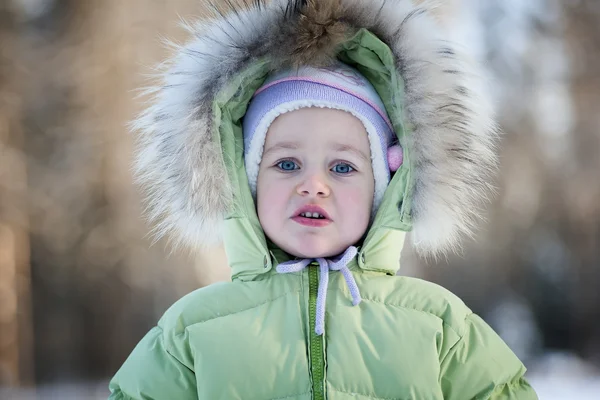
(564, 376)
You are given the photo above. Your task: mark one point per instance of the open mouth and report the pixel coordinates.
(312, 219)
(312, 215)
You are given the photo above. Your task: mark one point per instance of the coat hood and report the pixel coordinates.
(189, 155)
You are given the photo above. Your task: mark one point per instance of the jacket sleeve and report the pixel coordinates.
(481, 366)
(153, 371)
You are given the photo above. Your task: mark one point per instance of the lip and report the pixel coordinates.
(313, 208)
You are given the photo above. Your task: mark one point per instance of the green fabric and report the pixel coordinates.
(253, 338)
(157, 358)
(316, 349)
(408, 339)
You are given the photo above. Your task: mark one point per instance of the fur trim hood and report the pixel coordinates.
(446, 125)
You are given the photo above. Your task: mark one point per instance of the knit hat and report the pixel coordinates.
(340, 87)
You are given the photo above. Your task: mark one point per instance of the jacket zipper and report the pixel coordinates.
(317, 357)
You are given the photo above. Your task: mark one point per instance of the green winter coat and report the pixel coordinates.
(254, 337)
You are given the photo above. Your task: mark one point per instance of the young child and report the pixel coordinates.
(309, 137)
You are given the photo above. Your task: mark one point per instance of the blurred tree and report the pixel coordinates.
(540, 246)
(581, 198)
(96, 285)
(16, 364)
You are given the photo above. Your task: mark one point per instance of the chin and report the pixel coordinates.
(316, 250)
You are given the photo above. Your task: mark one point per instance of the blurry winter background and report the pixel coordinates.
(80, 283)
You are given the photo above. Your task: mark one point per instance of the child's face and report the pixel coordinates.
(315, 157)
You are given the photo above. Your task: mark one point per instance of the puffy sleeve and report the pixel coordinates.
(481, 366)
(154, 371)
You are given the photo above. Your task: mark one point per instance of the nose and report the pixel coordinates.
(313, 185)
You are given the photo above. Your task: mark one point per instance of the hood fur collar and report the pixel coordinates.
(451, 139)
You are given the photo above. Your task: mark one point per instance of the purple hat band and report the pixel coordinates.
(374, 105)
(288, 91)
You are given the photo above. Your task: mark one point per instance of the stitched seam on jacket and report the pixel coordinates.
(451, 350)
(237, 312)
(492, 356)
(290, 396)
(500, 387)
(124, 396)
(421, 311)
(366, 395)
(170, 351)
(517, 383)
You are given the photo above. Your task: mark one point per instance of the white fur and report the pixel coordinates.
(452, 143)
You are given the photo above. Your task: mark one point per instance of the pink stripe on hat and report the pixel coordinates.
(344, 89)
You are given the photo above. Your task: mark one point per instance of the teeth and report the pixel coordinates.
(311, 215)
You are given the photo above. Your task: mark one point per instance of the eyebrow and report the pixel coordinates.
(282, 146)
(350, 149)
(335, 147)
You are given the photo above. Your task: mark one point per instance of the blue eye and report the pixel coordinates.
(343, 168)
(287, 165)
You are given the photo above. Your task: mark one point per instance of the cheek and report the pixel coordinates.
(271, 198)
(357, 202)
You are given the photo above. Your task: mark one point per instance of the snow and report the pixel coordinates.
(562, 375)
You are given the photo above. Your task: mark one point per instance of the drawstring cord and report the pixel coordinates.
(325, 265)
